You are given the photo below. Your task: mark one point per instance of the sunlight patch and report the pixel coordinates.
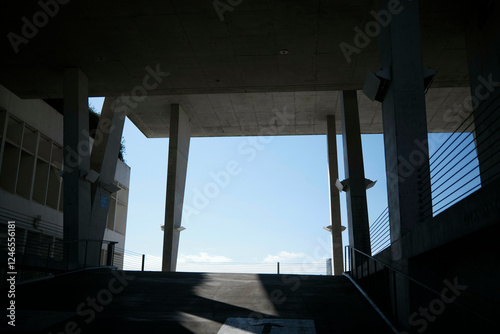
(249, 325)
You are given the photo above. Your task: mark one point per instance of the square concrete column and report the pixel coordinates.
(336, 223)
(76, 165)
(405, 138)
(405, 123)
(180, 135)
(357, 210)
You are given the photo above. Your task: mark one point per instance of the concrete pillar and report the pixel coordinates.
(405, 123)
(336, 223)
(405, 137)
(103, 161)
(357, 210)
(180, 134)
(76, 164)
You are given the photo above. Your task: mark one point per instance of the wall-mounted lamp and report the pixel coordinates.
(329, 228)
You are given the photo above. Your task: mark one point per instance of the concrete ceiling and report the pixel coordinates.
(303, 113)
(227, 74)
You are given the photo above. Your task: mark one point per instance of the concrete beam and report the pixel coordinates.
(357, 210)
(336, 223)
(76, 165)
(180, 135)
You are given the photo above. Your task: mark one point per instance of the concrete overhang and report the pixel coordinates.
(228, 75)
(282, 113)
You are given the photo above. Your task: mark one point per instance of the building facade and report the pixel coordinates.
(31, 181)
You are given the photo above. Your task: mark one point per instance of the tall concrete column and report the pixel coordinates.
(180, 135)
(105, 152)
(405, 138)
(405, 123)
(357, 210)
(76, 164)
(336, 223)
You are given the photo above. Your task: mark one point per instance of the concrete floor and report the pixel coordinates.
(154, 302)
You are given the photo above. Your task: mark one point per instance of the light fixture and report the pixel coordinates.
(369, 183)
(90, 176)
(36, 221)
(180, 228)
(111, 188)
(284, 52)
(329, 228)
(342, 186)
(376, 84)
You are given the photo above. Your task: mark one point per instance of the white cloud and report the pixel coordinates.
(283, 256)
(203, 258)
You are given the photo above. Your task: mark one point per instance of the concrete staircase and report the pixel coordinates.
(108, 301)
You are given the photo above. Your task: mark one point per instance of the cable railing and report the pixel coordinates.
(455, 168)
(35, 224)
(50, 256)
(380, 232)
(143, 262)
(393, 291)
(34, 234)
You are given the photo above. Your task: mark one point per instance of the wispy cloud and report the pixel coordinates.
(283, 256)
(203, 258)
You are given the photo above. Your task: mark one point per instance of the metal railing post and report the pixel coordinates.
(143, 261)
(48, 257)
(395, 295)
(100, 254)
(86, 250)
(278, 268)
(111, 253)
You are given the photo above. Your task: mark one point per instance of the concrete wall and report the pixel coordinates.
(458, 244)
(483, 48)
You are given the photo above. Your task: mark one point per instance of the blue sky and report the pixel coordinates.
(272, 209)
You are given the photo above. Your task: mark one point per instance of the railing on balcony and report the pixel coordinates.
(144, 262)
(380, 232)
(40, 250)
(466, 161)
